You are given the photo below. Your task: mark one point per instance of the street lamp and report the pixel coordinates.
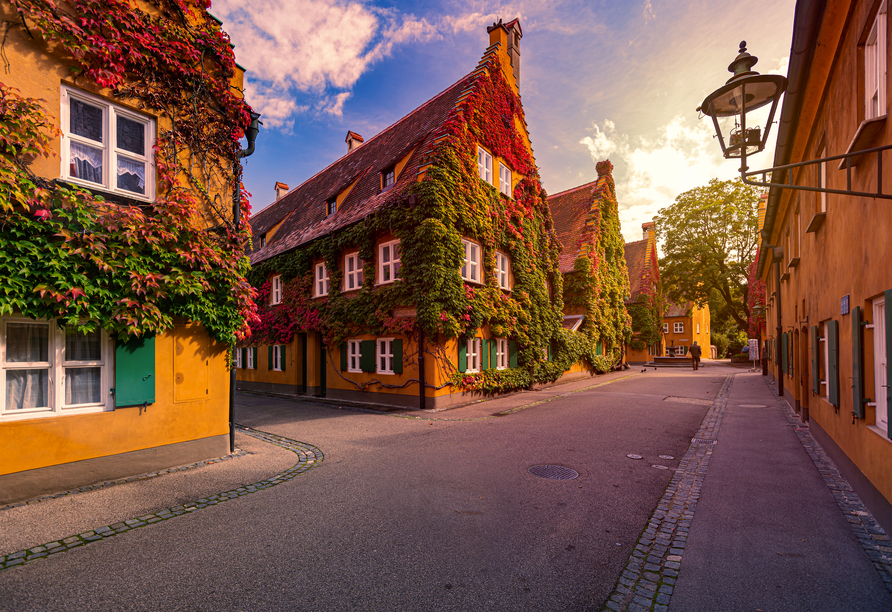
(728, 106)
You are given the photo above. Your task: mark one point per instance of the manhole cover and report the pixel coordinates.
(633, 456)
(666, 457)
(701, 441)
(553, 472)
(752, 405)
(659, 467)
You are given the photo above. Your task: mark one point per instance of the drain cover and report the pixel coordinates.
(702, 441)
(633, 456)
(753, 406)
(666, 457)
(553, 472)
(659, 467)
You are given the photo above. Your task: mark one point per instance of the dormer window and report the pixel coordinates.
(331, 207)
(484, 164)
(388, 178)
(262, 240)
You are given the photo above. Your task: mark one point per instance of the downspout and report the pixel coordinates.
(422, 382)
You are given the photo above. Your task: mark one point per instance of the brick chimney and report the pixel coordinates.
(281, 189)
(353, 140)
(508, 36)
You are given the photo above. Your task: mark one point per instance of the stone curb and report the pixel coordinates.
(310, 457)
(648, 579)
(873, 538)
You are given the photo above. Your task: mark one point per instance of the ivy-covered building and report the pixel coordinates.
(645, 301)
(122, 268)
(421, 268)
(593, 267)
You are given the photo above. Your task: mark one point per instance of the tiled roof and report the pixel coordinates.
(303, 207)
(676, 310)
(570, 210)
(636, 262)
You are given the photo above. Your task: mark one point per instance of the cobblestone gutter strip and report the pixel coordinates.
(873, 538)
(648, 579)
(309, 457)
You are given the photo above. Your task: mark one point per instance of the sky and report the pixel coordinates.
(599, 80)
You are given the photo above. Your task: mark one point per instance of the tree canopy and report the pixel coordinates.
(709, 237)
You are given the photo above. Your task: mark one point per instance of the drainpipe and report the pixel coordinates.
(251, 135)
(422, 383)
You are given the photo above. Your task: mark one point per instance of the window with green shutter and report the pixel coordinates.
(368, 356)
(462, 356)
(135, 372)
(784, 352)
(832, 328)
(484, 362)
(857, 365)
(815, 361)
(343, 348)
(397, 356)
(512, 353)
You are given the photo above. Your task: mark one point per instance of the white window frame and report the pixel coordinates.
(391, 172)
(331, 207)
(238, 359)
(665, 328)
(249, 358)
(391, 267)
(879, 362)
(503, 268)
(470, 268)
(384, 356)
(698, 327)
(825, 364)
(484, 164)
(678, 327)
(56, 366)
(278, 357)
(504, 179)
(353, 279)
(875, 67)
(275, 291)
(110, 150)
(354, 356)
(321, 281)
(475, 356)
(501, 353)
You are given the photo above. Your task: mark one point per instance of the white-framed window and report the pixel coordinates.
(238, 358)
(106, 146)
(875, 67)
(484, 164)
(504, 179)
(879, 363)
(388, 178)
(354, 356)
(48, 371)
(470, 268)
(249, 358)
(678, 328)
(275, 293)
(321, 285)
(503, 265)
(385, 355)
(825, 361)
(278, 357)
(698, 327)
(475, 355)
(388, 261)
(665, 328)
(352, 272)
(501, 354)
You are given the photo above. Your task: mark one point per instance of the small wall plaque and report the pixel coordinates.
(844, 305)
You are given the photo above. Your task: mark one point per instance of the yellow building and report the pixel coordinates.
(684, 324)
(825, 256)
(103, 375)
(645, 301)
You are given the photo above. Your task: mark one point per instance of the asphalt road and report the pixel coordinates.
(407, 514)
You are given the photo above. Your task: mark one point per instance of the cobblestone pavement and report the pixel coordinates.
(308, 457)
(649, 577)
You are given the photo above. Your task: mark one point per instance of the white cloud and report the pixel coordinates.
(334, 106)
(651, 172)
(648, 12)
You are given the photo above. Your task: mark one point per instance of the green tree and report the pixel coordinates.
(709, 237)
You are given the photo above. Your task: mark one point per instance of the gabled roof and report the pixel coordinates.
(570, 210)
(636, 262)
(677, 310)
(303, 207)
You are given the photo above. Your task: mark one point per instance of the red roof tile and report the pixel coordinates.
(569, 210)
(636, 262)
(676, 310)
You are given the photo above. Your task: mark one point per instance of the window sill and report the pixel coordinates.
(864, 136)
(109, 195)
(816, 222)
(385, 373)
(349, 371)
(880, 432)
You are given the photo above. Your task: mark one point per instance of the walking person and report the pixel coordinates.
(695, 355)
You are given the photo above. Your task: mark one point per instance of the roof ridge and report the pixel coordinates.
(577, 188)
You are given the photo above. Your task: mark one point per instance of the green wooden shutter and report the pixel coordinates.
(493, 354)
(343, 356)
(135, 372)
(398, 356)
(857, 365)
(833, 366)
(512, 353)
(462, 355)
(815, 361)
(367, 355)
(269, 357)
(599, 348)
(254, 357)
(888, 310)
(484, 347)
(784, 352)
(283, 355)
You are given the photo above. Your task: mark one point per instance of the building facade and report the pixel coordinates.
(113, 353)
(684, 324)
(825, 256)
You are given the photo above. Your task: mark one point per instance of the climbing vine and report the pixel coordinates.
(756, 297)
(67, 252)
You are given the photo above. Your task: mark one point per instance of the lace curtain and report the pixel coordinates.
(27, 343)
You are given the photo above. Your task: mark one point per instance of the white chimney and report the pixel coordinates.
(353, 140)
(281, 189)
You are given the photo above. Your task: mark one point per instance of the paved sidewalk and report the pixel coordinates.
(771, 526)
